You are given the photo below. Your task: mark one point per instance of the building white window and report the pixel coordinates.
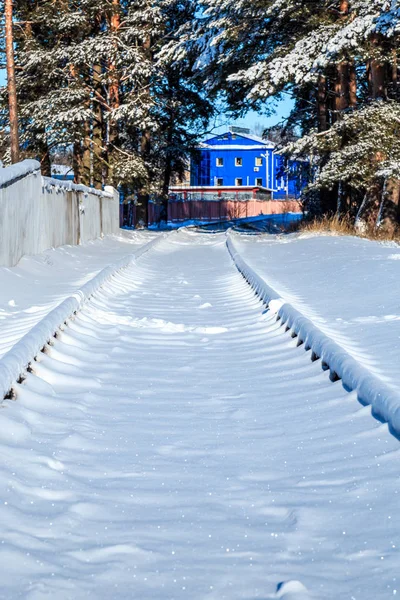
(238, 161)
(259, 181)
(220, 162)
(220, 181)
(259, 161)
(238, 181)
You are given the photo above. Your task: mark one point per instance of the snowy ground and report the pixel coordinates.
(175, 443)
(349, 287)
(274, 222)
(39, 283)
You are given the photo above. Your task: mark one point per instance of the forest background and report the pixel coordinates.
(129, 88)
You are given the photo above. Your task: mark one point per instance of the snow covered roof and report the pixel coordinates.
(213, 188)
(256, 138)
(260, 142)
(236, 146)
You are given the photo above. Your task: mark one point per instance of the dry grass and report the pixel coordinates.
(345, 226)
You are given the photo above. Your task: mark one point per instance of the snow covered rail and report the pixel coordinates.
(16, 361)
(371, 390)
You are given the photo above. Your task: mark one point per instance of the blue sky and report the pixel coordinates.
(282, 109)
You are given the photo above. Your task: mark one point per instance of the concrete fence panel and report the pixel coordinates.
(59, 217)
(90, 217)
(110, 211)
(37, 213)
(20, 225)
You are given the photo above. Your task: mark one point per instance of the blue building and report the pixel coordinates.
(238, 159)
(62, 172)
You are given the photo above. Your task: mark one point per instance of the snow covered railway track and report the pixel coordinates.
(371, 390)
(174, 442)
(15, 363)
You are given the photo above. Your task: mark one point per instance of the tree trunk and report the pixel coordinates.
(322, 111)
(327, 198)
(345, 87)
(352, 85)
(377, 79)
(389, 213)
(333, 198)
(366, 216)
(142, 210)
(11, 83)
(77, 162)
(376, 73)
(344, 90)
(113, 89)
(344, 199)
(97, 134)
(86, 156)
(388, 218)
(394, 74)
(173, 82)
(115, 24)
(165, 189)
(45, 160)
(341, 89)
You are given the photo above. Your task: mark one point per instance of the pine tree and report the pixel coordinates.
(181, 110)
(94, 79)
(340, 64)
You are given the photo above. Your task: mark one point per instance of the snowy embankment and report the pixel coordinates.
(15, 362)
(39, 283)
(339, 296)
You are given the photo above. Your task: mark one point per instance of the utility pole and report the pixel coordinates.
(11, 85)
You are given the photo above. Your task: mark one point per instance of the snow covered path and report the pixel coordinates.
(175, 443)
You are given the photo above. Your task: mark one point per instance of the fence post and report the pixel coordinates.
(101, 216)
(78, 224)
(115, 224)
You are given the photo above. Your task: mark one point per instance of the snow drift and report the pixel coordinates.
(15, 362)
(384, 400)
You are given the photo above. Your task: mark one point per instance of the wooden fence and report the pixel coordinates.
(211, 210)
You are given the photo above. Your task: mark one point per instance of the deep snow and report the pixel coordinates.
(39, 283)
(347, 286)
(16, 362)
(175, 443)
